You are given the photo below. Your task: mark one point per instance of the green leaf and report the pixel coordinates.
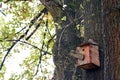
(63, 18)
(81, 6)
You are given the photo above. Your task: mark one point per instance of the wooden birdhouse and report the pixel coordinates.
(90, 55)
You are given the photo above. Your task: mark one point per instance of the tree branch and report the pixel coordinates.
(40, 57)
(37, 26)
(49, 41)
(41, 50)
(48, 29)
(20, 30)
(59, 41)
(22, 36)
(9, 49)
(34, 19)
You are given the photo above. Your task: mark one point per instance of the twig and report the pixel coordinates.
(49, 41)
(50, 36)
(9, 49)
(33, 31)
(40, 57)
(46, 52)
(36, 28)
(41, 50)
(20, 30)
(15, 34)
(6, 1)
(33, 20)
(31, 45)
(38, 65)
(59, 41)
(48, 29)
(22, 36)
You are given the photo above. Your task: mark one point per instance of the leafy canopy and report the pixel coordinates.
(27, 31)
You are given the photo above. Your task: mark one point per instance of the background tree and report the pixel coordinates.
(22, 22)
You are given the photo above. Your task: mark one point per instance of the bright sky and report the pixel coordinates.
(13, 62)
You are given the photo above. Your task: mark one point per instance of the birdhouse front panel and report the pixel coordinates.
(91, 56)
(85, 52)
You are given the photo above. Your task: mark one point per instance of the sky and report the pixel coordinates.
(12, 63)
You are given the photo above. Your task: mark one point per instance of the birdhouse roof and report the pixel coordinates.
(89, 42)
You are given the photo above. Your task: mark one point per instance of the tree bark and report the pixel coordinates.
(94, 30)
(111, 26)
(101, 23)
(66, 38)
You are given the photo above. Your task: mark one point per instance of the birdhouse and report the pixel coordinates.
(90, 58)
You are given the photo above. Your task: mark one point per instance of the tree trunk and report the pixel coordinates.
(111, 26)
(101, 23)
(94, 30)
(66, 38)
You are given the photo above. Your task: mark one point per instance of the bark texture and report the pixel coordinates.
(66, 38)
(94, 30)
(101, 20)
(111, 21)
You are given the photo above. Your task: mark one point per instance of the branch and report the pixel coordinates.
(20, 30)
(33, 31)
(48, 29)
(33, 20)
(32, 46)
(6, 1)
(37, 26)
(59, 41)
(40, 57)
(22, 36)
(41, 50)
(9, 49)
(49, 41)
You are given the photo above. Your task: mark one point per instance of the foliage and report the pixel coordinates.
(15, 24)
